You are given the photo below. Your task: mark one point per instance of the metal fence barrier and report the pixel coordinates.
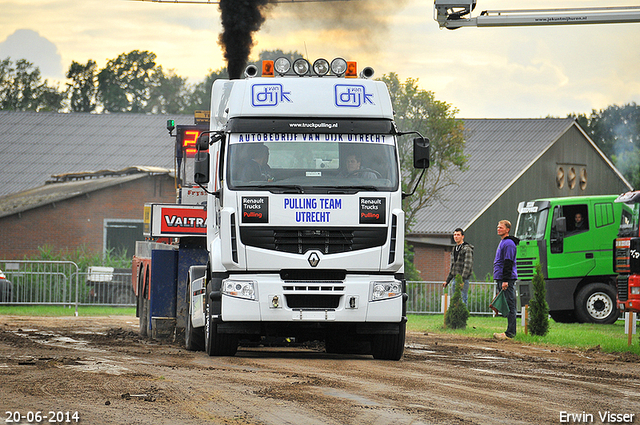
(426, 297)
(62, 283)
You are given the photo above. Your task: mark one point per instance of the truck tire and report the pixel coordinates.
(143, 310)
(217, 344)
(596, 303)
(389, 346)
(144, 316)
(193, 337)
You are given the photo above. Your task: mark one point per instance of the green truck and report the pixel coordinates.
(572, 239)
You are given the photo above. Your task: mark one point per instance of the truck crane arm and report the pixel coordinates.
(453, 14)
(218, 1)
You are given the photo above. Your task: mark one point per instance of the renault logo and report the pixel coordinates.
(313, 259)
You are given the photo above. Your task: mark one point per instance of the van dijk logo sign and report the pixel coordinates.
(352, 96)
(269, 95)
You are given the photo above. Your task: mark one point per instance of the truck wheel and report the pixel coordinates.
(596, 303)
(193, 337)
(144, 316)
(142, 308)
(217, 344)
(389, 347)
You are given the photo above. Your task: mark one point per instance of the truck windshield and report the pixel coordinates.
(312, 162)
(531, 225)
(629, 226)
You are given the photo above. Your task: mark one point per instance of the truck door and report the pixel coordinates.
(571, 252)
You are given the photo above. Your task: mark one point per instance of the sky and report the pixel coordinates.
(511, 72)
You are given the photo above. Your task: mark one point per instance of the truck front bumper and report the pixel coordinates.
(351, 300)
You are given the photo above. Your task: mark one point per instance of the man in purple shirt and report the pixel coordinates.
(505, 275)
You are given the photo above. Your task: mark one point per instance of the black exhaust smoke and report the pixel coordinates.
(240, 19)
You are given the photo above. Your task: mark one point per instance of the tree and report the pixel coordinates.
(539, 314)
(82, 90)
(125, 84)
(200, 97)
(22, 88)
(457, 314)
(417, 109)
(616, 131)
(410, 271)
(171, 94)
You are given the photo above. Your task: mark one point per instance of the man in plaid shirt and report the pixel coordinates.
(461, 262)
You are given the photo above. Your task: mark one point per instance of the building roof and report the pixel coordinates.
(499, 151)
(36, 145)
(41, 147)
(66, 188)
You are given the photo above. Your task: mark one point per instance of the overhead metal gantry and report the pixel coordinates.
(453, 14)
(218, 1)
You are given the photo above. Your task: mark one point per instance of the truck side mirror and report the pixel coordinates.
(201, 168)
(561, 224)
(421, 150)
(202, 143)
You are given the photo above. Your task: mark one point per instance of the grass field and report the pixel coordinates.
(610, 338)
(56, 310)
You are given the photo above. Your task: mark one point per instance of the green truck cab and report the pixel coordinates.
(571, 238)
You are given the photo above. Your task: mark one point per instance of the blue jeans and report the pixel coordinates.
(510, 295)
(465, 290)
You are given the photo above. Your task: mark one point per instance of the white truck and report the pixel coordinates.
(305, 228)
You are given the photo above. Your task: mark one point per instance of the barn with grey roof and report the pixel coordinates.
(510, 160)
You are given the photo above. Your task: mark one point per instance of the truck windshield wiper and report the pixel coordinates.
(340, 189)
(280, 188)
(370, 188)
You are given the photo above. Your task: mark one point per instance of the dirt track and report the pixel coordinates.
(100, 368)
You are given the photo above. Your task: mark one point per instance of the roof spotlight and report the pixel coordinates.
(321, 67)
(301, 66)
(282, 66)
(339, 66)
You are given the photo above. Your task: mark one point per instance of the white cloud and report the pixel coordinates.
(28, 44)
(484, 72)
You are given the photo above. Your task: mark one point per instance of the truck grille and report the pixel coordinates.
(313, 289)
(300, 240)
(526, 268)
(312, 275)
(623, 288)
(312, 301)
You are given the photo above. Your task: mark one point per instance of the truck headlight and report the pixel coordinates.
(239, 288)
(385, 290)
(634, 290)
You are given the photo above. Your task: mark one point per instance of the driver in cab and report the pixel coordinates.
(353, 168)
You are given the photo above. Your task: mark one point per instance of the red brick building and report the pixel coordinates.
(81, 180)
(97, 212)
(432, 261)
